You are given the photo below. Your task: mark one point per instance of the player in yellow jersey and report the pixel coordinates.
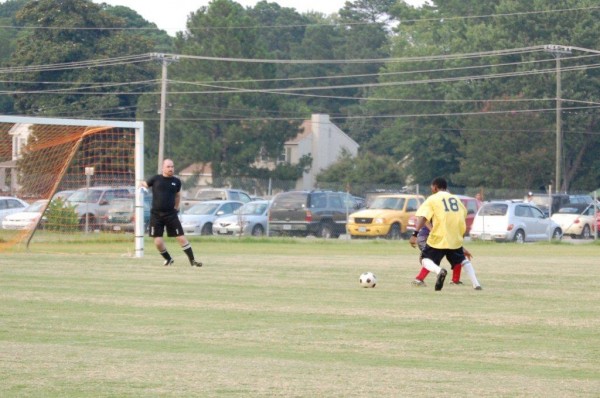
(447, 214)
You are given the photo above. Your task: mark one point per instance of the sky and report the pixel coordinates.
(171, 16)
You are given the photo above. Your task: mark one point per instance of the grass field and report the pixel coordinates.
(287, 318)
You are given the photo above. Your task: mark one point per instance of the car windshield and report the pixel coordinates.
(202, 208)
(388, 203)
(250, 209)
(494, 209)
(80, 196)
(35, 207)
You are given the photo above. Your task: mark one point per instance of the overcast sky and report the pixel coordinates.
(171, 15)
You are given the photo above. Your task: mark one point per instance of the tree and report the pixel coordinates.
(66, 41)
(435, 114)
(365, 170)
(230, 129)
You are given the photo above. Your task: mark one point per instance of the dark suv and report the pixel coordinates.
(303, 213)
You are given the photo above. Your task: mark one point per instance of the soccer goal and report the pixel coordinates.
(79, 178)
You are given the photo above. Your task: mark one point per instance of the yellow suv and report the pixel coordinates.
(386, 217)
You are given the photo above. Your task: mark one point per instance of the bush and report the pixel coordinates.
(61, 217)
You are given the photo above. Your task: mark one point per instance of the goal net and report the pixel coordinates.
(77, 179)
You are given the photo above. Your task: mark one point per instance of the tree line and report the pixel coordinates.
(464, 89)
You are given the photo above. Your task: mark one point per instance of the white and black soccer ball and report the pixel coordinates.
(367, 279)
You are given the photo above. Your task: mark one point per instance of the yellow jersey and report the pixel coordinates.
(447, 214)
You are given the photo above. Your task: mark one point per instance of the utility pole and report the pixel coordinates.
(558, 52)
(165, 61)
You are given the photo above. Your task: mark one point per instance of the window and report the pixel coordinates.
(14, 204)
(536, 213)
(318, 200)
(335, 201)
(413, 204)
(523, 211)
(471, 206)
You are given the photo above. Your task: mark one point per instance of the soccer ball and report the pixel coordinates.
(367, 279)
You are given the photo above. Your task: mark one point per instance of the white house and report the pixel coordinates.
(20, 134)
(321, 139)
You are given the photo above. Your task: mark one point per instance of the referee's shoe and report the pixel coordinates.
(195, 263)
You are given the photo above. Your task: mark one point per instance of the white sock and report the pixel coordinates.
(468, 268)
(431, 266)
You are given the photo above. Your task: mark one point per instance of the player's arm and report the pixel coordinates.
(419, 224)
(468, 254)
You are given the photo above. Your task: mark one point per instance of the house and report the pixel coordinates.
(20, 134)
(199, 173)
(318, 137)
(321, 139)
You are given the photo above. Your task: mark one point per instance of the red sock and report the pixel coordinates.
(423, 274)
(456, 273)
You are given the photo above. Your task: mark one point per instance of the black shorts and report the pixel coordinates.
(454, 256)
(158, 222)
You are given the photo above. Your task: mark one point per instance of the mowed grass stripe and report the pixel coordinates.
(288, 318)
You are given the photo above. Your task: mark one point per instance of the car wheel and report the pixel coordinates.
(394, 233)
(206, 229)
(519, 236)
(91, 222)
(586, 234)
(258, 230)
(557, 234)
(326, 231)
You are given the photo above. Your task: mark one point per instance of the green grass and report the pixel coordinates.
(279, 317)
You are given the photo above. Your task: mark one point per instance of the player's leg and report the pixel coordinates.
(187, 249)
(456, 269)
(175, 229)
(431, 259)
(156, 230)
(471, 273)
(420, 278)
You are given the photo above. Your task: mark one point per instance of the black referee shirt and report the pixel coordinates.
(164, 190)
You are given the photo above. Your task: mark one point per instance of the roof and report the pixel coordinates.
(197, 168)
(305, 131)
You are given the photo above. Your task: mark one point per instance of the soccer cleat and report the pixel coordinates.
(418, 283)
(439, 283)
(195, 263)
(478, 288)
(168, 262)
(459, 283)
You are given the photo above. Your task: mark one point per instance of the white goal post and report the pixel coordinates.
(29, 141)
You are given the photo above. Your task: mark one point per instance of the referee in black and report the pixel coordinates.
(166, 194)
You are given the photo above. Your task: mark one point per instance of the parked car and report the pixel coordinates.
(199, 219)
(577, 220)
(10, 205)
(63, 195)
(250, 219)
(304, 213)
(513, 221)
(215, 194)
(472, 204)
(120, 215)
(25, 219)
(94, 202)
(386, 217)
(549, 204)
